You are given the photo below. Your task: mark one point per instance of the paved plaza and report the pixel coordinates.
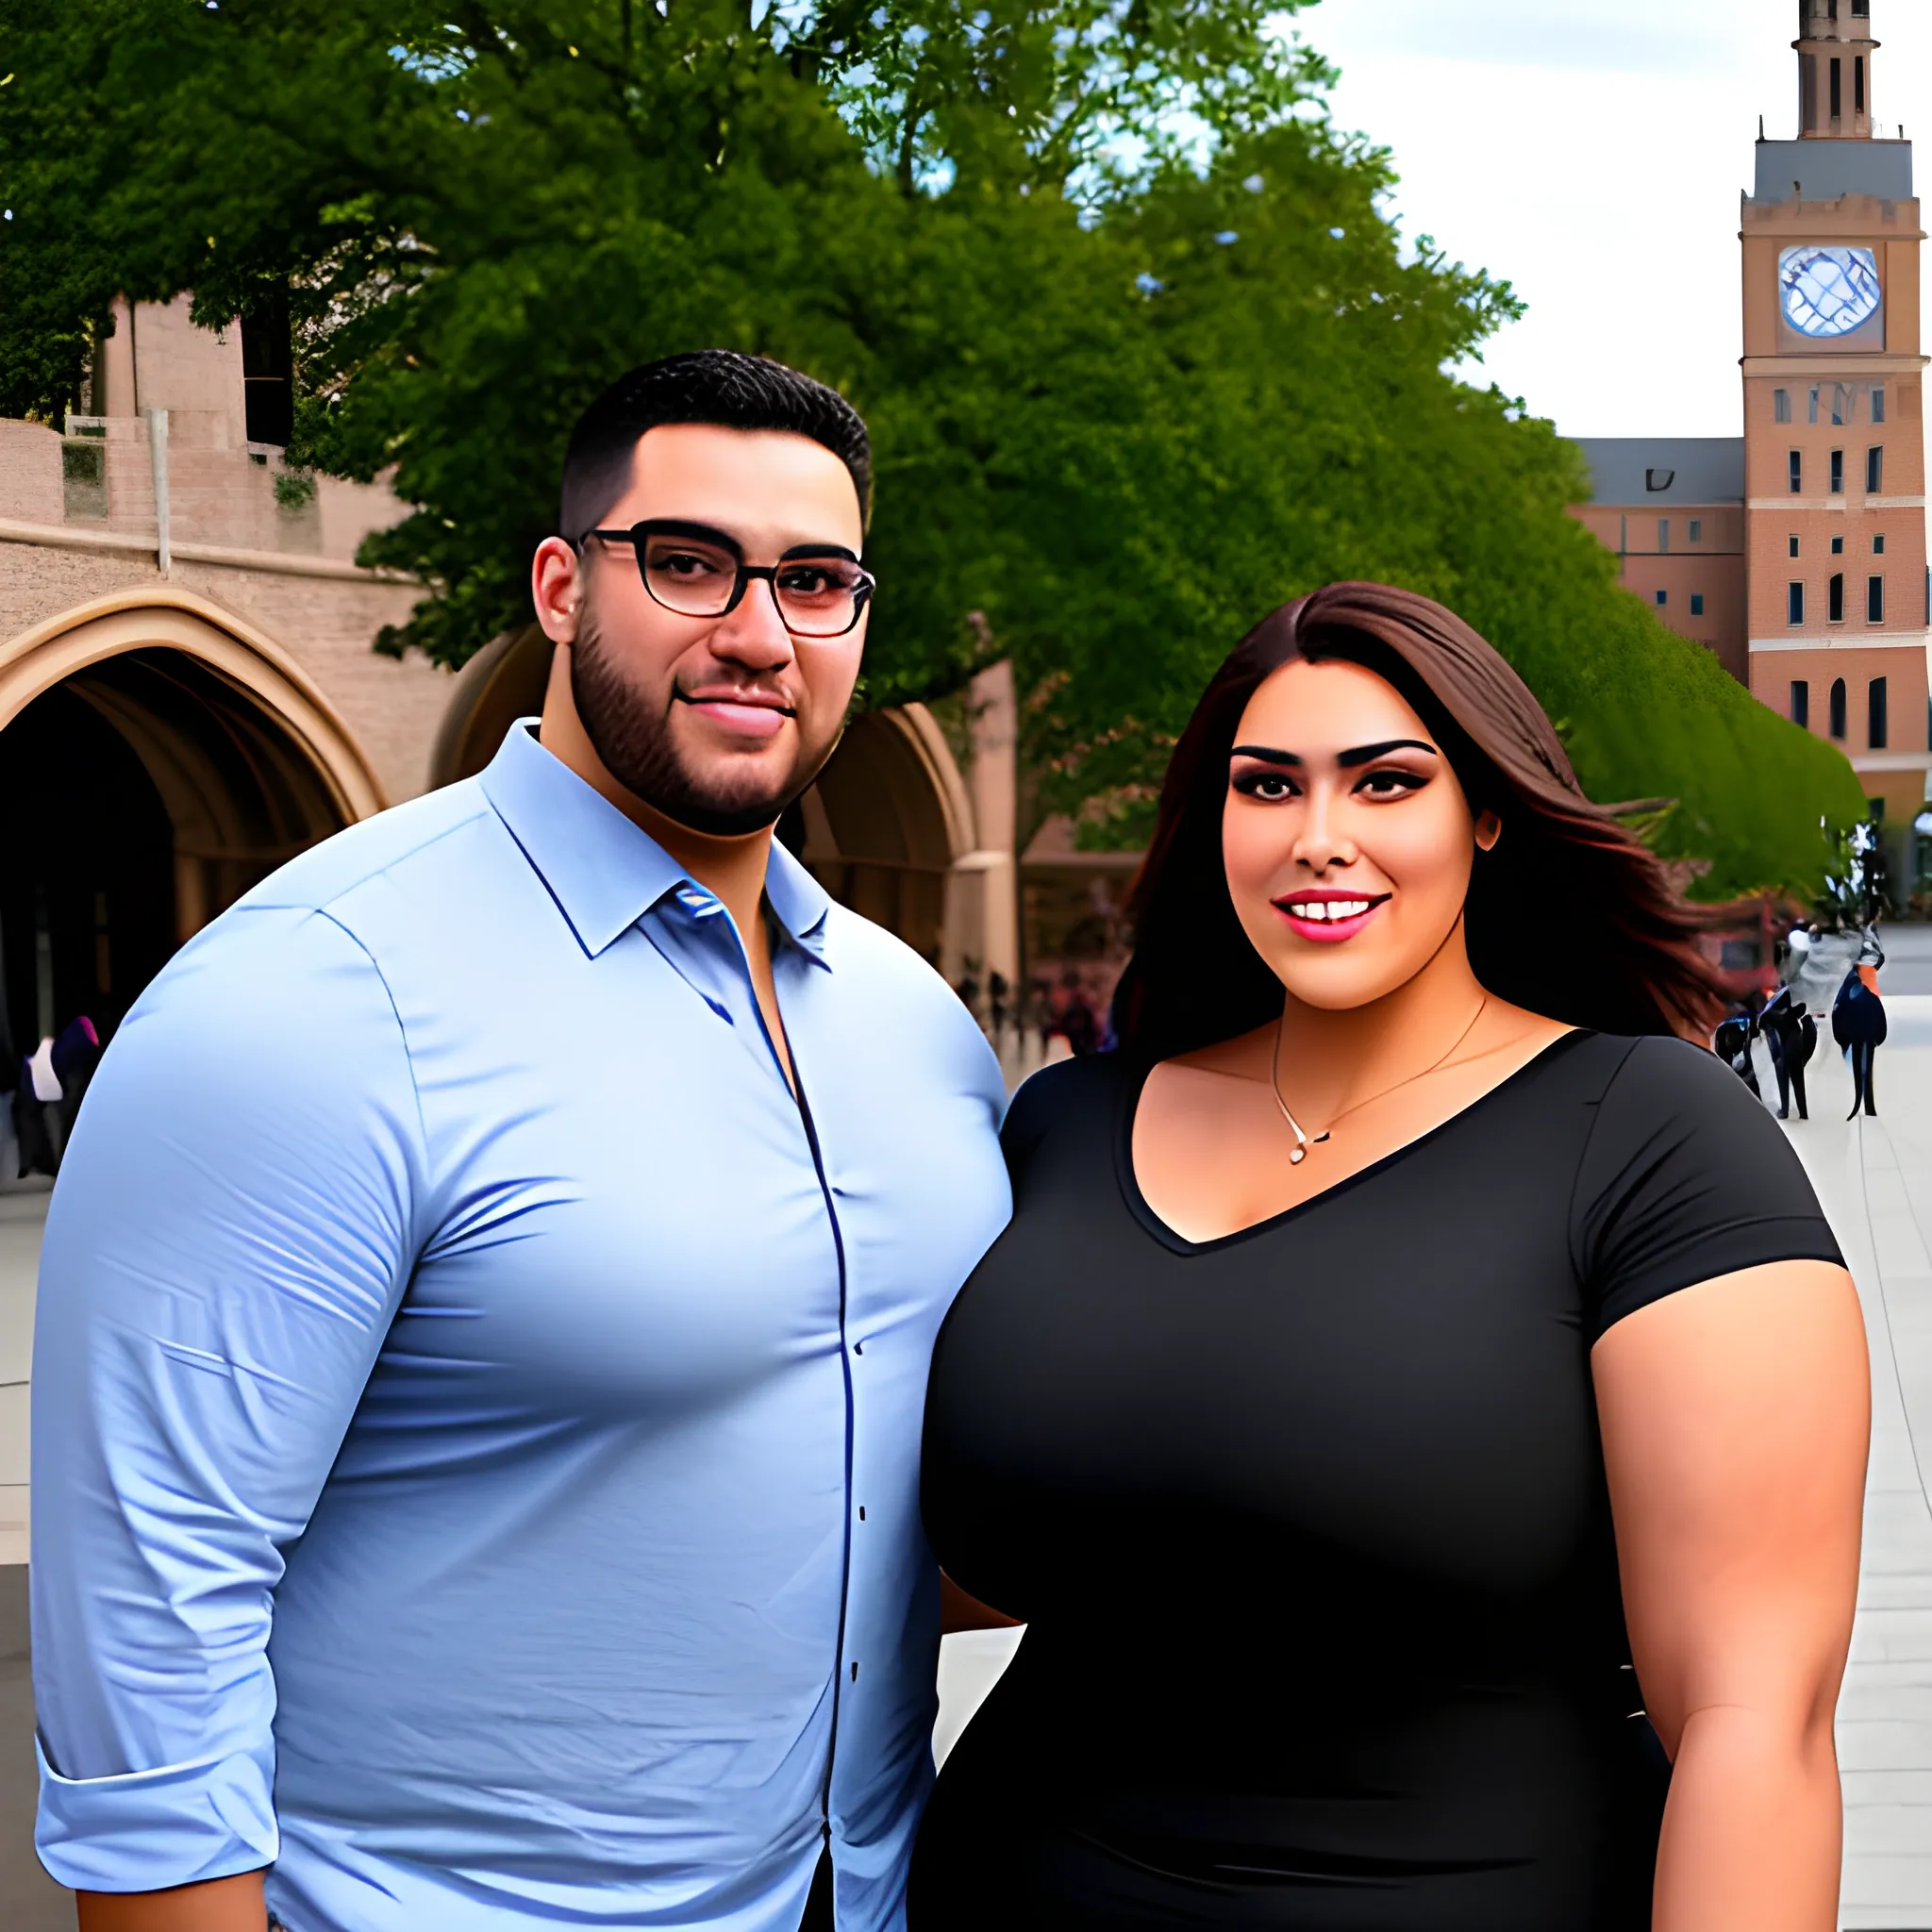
(1875, 1177)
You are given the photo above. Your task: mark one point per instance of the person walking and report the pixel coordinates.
(1397, 1339)
(486, 1311)
(1731, 1042)
(1792, 1034)
(1858, 1025)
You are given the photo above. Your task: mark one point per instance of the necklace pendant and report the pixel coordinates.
(1300, 1155)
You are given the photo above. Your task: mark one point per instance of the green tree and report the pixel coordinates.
(1142, 355)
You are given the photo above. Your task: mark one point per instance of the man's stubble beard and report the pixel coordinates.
(637, 750)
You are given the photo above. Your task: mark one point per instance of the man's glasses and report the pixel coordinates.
(820, 590)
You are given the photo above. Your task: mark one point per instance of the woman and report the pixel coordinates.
(1398, 1255)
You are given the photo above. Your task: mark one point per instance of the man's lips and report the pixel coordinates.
(746, 713)
(1329, 917)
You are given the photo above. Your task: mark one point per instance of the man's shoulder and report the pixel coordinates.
(901, 994)
(879, 961)
(312, 919)
(426, 835)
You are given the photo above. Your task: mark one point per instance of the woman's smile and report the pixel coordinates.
(1327, 916)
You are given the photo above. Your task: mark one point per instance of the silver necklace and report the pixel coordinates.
(1302, 1142)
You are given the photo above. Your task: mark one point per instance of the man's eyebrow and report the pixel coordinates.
(1368, 753)
(1265, 754)
(802, 550)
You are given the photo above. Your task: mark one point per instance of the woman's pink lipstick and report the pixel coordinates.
(1329, 917)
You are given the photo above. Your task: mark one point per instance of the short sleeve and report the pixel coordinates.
(232, 1231)
(1685, 1177)
(1052, 1099)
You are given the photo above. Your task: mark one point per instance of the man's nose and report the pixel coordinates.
(754, 635)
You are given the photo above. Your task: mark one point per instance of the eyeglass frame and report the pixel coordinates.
(640, 533)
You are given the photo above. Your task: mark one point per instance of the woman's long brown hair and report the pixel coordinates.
(1569, 916)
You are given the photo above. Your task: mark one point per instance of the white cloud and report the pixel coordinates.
(1592, 153)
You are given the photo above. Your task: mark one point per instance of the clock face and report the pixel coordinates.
(1828, 291)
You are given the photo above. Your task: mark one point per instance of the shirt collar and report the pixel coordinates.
(605, 872)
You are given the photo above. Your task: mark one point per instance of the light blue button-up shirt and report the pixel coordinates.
(476, 1411)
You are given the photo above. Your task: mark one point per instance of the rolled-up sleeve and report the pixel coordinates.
(234, 1226)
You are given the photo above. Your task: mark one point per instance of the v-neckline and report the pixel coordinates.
(1171, 1237)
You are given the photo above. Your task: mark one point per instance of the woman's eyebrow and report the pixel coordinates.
(1266, 754)
(1368, 753)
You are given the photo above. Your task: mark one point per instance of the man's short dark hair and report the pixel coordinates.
(720, 386)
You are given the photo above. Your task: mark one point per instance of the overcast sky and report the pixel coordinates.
(1591, 152)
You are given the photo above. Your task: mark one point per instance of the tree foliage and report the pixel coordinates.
(1141, 355)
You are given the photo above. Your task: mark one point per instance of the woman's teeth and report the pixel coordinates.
(1324, 910)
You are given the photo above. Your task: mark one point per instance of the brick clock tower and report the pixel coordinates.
(1838, 600)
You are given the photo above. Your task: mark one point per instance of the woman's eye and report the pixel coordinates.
(1389, 784)
(1270, 786)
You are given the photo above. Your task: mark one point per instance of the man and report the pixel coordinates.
(485, 1318)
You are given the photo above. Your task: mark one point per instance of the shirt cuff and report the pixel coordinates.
(147, 1830)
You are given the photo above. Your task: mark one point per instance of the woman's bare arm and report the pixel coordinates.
(1736, 1417)
(222, 1904)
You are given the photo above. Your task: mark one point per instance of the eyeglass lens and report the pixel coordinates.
(817, 595)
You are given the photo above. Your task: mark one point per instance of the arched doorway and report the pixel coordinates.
(157, 757)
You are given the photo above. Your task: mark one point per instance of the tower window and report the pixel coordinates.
(1857, 84)
(1801, 702)
(1840, 404)
(1875, 600)
(1838, 708)
(1874, 714)
(1663, 536)
(1795, 546)
(1696, 602)
(1838, 546)
(1837, 86)
(1797, 472)
(1813, 405)
(1696, 530)
(1878, 403)
(1781, 406)
(1878, 544)
(1861, 9)
(1794, 604)
(1838, 473)
(1874, 472)
(1663, 597)
(1835, 600)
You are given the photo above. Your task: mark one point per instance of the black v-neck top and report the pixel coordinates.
(1310, 1524)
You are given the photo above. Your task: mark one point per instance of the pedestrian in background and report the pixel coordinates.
(1731, 1042)
(1857, 1024)
(1792, 1034)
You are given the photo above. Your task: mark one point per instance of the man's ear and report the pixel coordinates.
(556, 589)
(1489, 828)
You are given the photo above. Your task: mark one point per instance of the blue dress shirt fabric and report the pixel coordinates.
(475, 1459)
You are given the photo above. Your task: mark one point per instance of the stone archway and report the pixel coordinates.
(158, 757)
